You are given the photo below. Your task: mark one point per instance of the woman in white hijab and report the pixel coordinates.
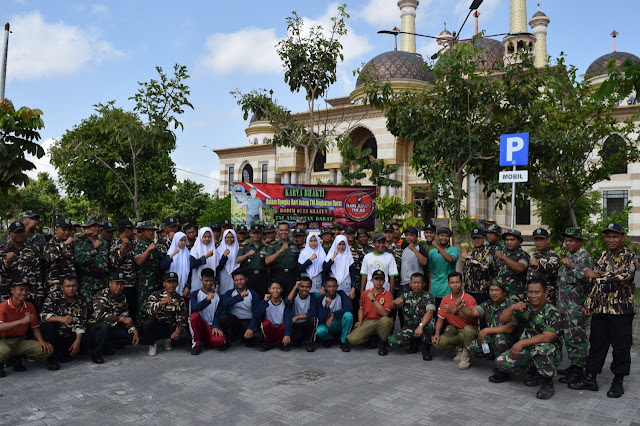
(310, 262)
(178, 260)
(226, 253)
(339, 264)
(203, 255)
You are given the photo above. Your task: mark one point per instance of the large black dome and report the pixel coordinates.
(395, 65)
(599, 66)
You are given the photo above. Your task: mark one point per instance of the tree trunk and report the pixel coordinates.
(103, 210)
(307, 165)
(572, 213)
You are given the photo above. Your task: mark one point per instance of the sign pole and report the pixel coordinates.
(513, 202)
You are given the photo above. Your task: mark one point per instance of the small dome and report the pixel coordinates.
(255, 117)
(395, 65)
(599, 66)
(492, 52)
(445, 33)
(539, 14)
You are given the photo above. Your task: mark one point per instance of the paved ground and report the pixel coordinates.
(244, 386)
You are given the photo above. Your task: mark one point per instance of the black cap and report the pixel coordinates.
(226, 223)
(170, 276)
(540, 233)
(170, 221)
(16, 226)
(378, 236)
(117, 276)
(477, 232)
(349, 230)
(125, 224)
(256, 227)
(64, 223)
(216, 227)
(614, 227)
(387, 227)
(445, 230)
(411, 230)
(298, 231)
(378, 273)
(362, 231)
(19, 281)
(430, 227)
(108, 226)
(241, 228)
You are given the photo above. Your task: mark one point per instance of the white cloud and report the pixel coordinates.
(42, 49)
(210, 180)
(43, 164)
(384, 13)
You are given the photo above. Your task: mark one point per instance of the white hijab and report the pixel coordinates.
(316, 264)
(197, 251)
(231, 264)
(180, 264)
(342, 262)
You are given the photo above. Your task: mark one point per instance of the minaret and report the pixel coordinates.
(518, 17)
(519, 36)
(408, 16)
(539, 23)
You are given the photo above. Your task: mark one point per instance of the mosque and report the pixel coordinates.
(259, 161)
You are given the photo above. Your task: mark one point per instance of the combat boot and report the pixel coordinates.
(533, 380)
(18, 365)
(499, 377)
(465, 360)
(546, 389)
(382, 348)
(426, 351)
(587, 382)
(456, 358)
(616, 390)
(373, 342)
(574, 374)
(413, 346)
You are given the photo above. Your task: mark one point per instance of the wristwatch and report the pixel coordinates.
(421, 325)
(456, 312)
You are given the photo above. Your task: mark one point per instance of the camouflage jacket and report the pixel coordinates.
(162, 246)
(358, 252)
(491, 311)
(514, 281)
(25, 264)
(124, 262)
(612, 293)
(415, 307)
(60, 262)
(495, 247)
(37, 241)
(55, 305)
(477, 269)
(547, 318)
(173, 313)
(573, 285)
(106, 307)
(395, 250)
(547, 269)
(92, 262)
(149, 271)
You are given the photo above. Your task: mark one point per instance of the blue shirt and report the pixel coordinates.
(441, 269)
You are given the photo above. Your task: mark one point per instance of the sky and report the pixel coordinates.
(67, 55)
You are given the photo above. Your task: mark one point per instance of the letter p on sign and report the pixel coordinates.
(514, 150)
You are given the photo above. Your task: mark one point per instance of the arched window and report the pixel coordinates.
(371, 144)
(319, 162)
(611, 146)
(265, 140)
(255, 141)
(247, 174)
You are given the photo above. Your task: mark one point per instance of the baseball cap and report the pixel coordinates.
(378, 236)
(378, 274)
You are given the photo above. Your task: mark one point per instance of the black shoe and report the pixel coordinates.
(53, 365)
(108, 351)
(346, 347)
(575, 374)
(1, 370)
(196, 350)
(566, 371)
(426, 352)
(413, 347)
(327, 344)
(500, 377)
(373, 342)
(546, 389)
(97, 359)
(223, 347)
(18, 366)
(616, 390)
(533, 380)
(311, 347)
(265, 348)
(285, 348)
(382, 349)
(587, 382)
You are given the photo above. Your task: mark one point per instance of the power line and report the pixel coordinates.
(197, 174)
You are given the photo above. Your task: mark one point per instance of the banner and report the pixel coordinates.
(271, 203)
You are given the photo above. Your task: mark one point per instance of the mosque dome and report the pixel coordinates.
(599, 66)
(492, 53)
(395, 65)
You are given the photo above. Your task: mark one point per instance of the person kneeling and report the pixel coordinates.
(334, 315)
(418, 307)
(205, 315)
(240, 303)
(373, 316)
(275, 317)
(304, 321)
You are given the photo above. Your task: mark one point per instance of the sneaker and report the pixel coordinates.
(327, 344)
(167, 345)
(196, 350)
(265, 348)
(458, 354)
(153, 350)
(465, 360)
(311, 347)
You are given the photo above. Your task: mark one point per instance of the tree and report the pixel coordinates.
(554, 214)
(148, 129)
(18, 136)
(621, 80)
(309, 58)
(567, 128)
(188, 202)
(361, 160)
(219, 210)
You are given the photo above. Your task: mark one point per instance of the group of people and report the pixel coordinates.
(278, 287)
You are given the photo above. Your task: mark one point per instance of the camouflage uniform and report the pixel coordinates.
(163, 245)
(148, 275)
(125, 262)
(613, 292)
(25, 264)
(498, 343)
(106, 307)
(60, 262)
(92, 265)
(544, 356)
(547, 269)
(358, 252)
(514, 282)
(414, 309)
(174, 313)
(395, 250)
(57, 306)
(477, 270)
(572, 289)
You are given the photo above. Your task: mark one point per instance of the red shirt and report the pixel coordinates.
(370, 310)
(455, 320)
(9, 313)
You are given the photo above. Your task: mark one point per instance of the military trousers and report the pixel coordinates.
(453, 337)
(19, 346)
(498, 344)
(574, 333)
(543, 357)
(615, 331)
(404, 336)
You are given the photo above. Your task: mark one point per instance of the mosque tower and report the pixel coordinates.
(539, 23)
(408, 15)
(519, 36)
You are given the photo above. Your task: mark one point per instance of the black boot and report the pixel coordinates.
(413, 346)
(500, 377)
(52, 363)
(575, 374)
(533, 380)
(546, 390)
(587, 382)
(566, 371)
(18, 365)
(382, 348)
(311, 347)
(426, 351)
(373, 342)
(616, 390)
(1, 369)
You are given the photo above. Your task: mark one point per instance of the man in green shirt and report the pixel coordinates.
(252, 259)
(442, 261)
(282, 257)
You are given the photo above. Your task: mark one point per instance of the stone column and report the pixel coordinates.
(294, 178)
(332, 175)
(473, 195)
(285, 178)
(338, 177)
(491, 208)
(392, 190)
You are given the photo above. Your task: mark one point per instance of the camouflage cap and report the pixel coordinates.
(146, 224)
(349, 230)
(325, 230)
(302, 221)
(495, 229)
(362, 231)
(614, 227)
(30, 214)
(573, 232)
(269, 229)
(336, 225)
(498, 283)
(93, 219)
(512, 233)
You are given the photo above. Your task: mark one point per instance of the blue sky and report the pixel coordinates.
(66, 56)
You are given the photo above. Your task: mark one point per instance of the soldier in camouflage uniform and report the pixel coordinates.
(392, 248)
(539, 349)
(36, 240)
(498, 337)
(611, 303)
(64, 320)
(327, 238)
(171, 226)
(110, 324)
(544, 263)
(511, 263)
(573, 287)
(122, 259)
(108, 228)
(167, 315)
(147, 259)
(418, 308)
(494, 239)
(269, 235)
(477, 267)
(19, 260)
(92, 258)
(59, 255)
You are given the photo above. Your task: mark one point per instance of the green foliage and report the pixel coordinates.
(391, 207)
(621, 81)
(188, 202)
(595, 244)
(554, 215)
(18, 137)
(219, 209)
(40, 195)
(362, 160)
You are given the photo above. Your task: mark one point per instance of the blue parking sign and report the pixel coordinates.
(514, 149)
